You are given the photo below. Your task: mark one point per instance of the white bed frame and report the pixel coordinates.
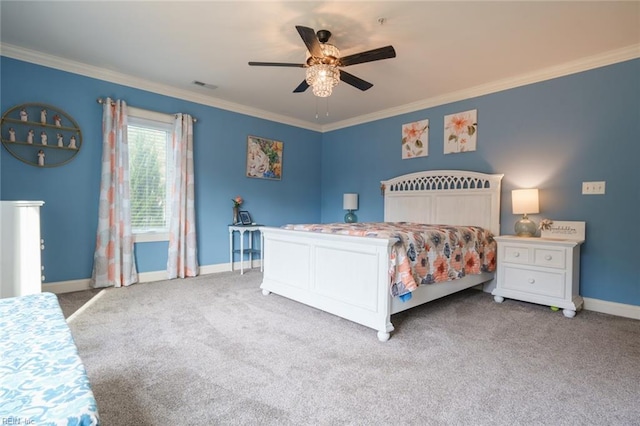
(348, 276)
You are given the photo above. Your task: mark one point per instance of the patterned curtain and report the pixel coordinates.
(114, 260)
(182, 261)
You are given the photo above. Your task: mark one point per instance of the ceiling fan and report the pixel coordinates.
(324, 61)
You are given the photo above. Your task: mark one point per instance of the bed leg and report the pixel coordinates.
(383, 336)
(265, 292)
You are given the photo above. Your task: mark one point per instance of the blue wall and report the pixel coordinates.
(70, 192)
(552, 135)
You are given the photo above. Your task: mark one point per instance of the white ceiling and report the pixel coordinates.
(445, 50)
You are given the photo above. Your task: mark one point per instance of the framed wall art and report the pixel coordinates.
(415, 139)
(264, 158)
(460, 132)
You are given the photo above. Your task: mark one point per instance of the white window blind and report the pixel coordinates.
(148, 164)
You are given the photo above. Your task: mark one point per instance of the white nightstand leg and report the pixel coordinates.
(242, 252)
(261, 251)
(231, 249)
(250, 249)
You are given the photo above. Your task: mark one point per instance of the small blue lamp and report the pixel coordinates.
(350, 203)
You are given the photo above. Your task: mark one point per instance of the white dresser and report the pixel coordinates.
(539, 270)
(20, 248)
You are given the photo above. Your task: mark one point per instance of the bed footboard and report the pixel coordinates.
(344, 275)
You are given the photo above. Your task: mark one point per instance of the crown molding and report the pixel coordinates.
(74, 67)
(584, 64)
(573, 67)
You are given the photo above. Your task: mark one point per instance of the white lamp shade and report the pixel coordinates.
(350, 202)
(525, 201)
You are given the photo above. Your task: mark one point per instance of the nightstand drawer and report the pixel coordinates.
(536, 282)
(516, 254)
(548, 257)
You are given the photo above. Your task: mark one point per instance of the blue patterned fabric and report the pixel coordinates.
(42, 378)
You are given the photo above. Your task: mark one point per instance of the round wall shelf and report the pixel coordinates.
(40, 135)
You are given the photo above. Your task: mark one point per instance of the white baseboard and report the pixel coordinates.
(612, 308)
(596, 305)
(143, 277)
(67, 286)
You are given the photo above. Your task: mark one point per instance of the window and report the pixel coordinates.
(149, 135)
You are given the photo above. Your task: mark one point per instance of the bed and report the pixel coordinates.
(349, 275)
(42, 378)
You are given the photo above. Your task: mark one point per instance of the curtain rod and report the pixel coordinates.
(102, 101)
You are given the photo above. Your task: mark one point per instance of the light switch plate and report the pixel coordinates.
(593, 188)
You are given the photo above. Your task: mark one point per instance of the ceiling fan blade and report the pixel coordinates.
(276, 64)
(356, 82)
(302, 87)
(310, 40)
(368, 56)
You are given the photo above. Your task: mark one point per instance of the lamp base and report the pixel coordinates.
(350, 217)
(525, 227)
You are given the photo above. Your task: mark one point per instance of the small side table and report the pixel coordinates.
(250, 251)
(539, 270)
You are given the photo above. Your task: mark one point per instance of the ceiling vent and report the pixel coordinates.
(206, 85)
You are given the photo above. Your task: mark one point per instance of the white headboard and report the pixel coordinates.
(451, 197)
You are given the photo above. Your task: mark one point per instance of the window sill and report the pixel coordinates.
(149, 237)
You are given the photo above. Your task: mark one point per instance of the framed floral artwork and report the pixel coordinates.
(264, 158)
(415, 139)
(460, 132)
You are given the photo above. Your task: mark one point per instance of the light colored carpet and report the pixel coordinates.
(214, 350)
(72, 302)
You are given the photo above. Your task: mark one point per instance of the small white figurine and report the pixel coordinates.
(57, 120)
(41, 158)
(72, 142)
(43, 116)
(43, 138)
(59, 136)
(23, 115)
(12, 134)
(30, 136)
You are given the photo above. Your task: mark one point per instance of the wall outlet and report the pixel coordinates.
(593, 188)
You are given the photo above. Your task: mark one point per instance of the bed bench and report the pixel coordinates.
(42, 378)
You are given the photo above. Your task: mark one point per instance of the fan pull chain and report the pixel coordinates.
(326, 107)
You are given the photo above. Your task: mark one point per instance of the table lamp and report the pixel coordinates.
(525, 201)
(350, 203)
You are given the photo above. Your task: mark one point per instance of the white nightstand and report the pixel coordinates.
(539, 270)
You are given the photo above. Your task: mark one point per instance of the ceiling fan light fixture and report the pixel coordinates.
(322, 78)
(330, 52)
(323, 62)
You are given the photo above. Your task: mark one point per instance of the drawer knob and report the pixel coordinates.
(516, 254)
(548, 257)
(42, 247)
(531, 281)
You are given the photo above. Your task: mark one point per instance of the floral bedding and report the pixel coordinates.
(42, 379)
(423, 254)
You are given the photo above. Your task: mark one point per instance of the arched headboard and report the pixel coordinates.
(451, 197)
